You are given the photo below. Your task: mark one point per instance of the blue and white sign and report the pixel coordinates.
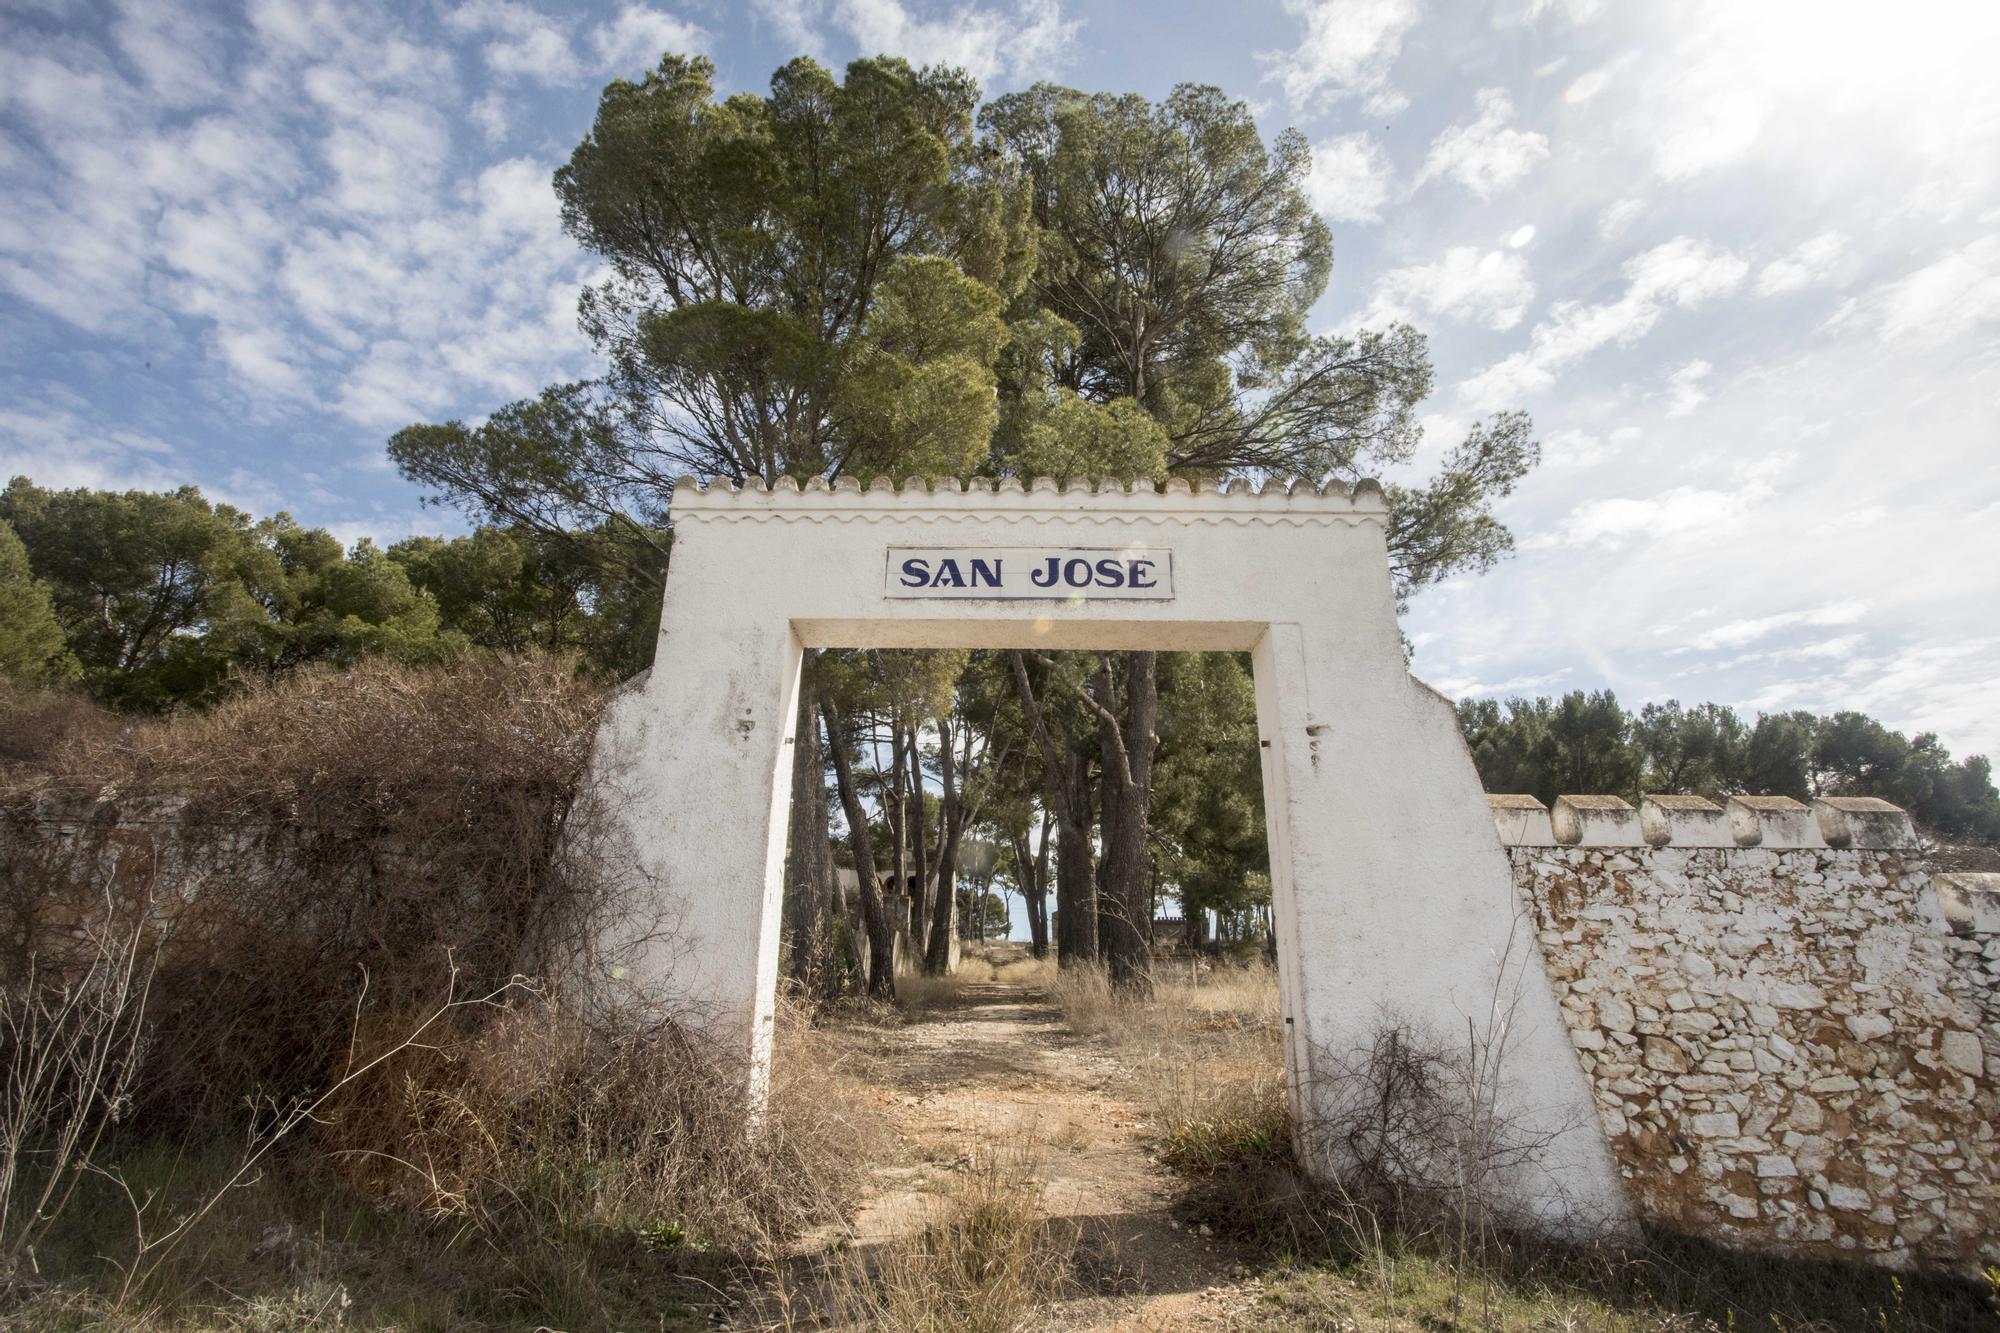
(1025, 573)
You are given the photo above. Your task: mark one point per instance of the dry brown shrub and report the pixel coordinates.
(549, 1122)
(37, 727)
(333, 845)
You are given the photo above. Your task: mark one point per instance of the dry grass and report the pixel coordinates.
(983, 1260)
(616, 1189)
(1204, 1049)
(917, 993)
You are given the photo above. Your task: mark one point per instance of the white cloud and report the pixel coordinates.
(1571, 448)
(1510, 13)
(1812, 262)
(1617, 216)
(1714, 132)
(1684, 391)
(265, 360)
(1468, 687)
(1586, 87)
(635, 40)
(794, 24)
(522, 42)
(1032, 41)
(1347, 50)
(1945, 300)
(1486, 155)
(1349, 180)
(1678, 516)
(166, 47)
(1682, 272)
(1491, 289)
(56, 448)
(1737, 633)
(1520, 236)
(1685, 272)
(489, 114)
(298, 233)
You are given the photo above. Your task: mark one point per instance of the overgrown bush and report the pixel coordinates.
(369, 903)
(333, 846)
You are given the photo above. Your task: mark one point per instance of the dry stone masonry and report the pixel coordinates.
(1791, 1025)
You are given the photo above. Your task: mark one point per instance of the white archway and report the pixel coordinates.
(1390, 889)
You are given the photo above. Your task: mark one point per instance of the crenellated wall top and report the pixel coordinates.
(1177, 500)
(1772, 823)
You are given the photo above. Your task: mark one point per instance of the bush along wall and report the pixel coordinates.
(1791, 1023)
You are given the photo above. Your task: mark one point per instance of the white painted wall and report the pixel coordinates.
(1393, 896)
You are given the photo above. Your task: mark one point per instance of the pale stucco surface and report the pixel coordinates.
(1393, 896)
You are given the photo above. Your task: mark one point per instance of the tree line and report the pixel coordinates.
(154, 600)
(1586, 743)
(879, 274)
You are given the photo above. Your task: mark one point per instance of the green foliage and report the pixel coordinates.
(32, 651)
(993, 918)
(1587, 744)
(516, 589)
(1076, 438)
(1208, 793)
(164, 598)
(1179, 261)
(161, 598)
(919, 392)
(1172, 239)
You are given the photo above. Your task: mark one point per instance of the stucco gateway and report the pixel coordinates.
(1391, 892)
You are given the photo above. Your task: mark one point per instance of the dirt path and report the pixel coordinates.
(1000, 1071)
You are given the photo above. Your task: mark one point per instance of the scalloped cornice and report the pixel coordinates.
(1291, 504)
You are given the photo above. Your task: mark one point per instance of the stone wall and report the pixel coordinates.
(1791, 1026)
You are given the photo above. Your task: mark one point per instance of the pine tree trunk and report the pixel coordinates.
(920, 887)
(1076, 891)
(937, 958)
(881, 937)
(810, 858)
(1129, 783)
(1035, 888)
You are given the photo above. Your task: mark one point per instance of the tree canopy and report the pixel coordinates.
(1588, 744)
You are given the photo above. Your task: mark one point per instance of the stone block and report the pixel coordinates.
(1614, 1014)
(1716, 1125)
(1664, 1056)
(1868, 1027)
(1962, 1051)
(1684, 821)
(1596, 821)
(1774, 823)
(1863, 823)
(1970, 903)
(1521, 821)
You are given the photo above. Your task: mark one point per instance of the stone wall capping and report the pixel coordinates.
(1970, 902)
(1775, 823)
(1683, 821)
(1521, 821)
(1596, 821)
(1177, 500)
(1866, 822)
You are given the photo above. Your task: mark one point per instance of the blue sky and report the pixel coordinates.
(1741, 261)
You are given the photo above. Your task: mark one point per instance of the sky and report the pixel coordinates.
(1740, 260)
